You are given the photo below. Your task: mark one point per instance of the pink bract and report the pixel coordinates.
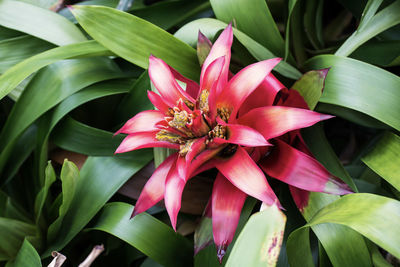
(228, 124)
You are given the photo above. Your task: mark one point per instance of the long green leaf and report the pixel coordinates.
(12, 234)
(210, 27)
(134, 39)
(260, 241)
(50, 178)
(78, 137)
(100, 178)
(353, 252)
(353, 84)
(39, 22)
(69, 179)
(15, 75)
(14, 50)
(92, 92)
(47, 89)
(381, 53)
(383, 20)
(167, 14)
(249, 16)
(369, 11)
(364, 213)
(384, 159)
(27, 256)
(152, 237)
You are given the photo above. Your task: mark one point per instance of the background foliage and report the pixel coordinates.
(70, 79)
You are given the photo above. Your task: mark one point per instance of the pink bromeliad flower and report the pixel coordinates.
(230, 124)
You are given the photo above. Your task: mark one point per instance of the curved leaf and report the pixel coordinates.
(100, 179)
(39, 22)
(16, 74)
(384, 159)
(152, 237)
(134, 39)
(47, 89)
(12, 234)
(383, 20)
(210, 27)
(249, 16)
(27, 256)
(78, 137)
(14, 50)
(260, 241)
(364, 213)
(353, 84)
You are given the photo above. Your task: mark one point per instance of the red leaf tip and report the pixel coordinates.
(134, 213)
(221, 250)
(325, 71)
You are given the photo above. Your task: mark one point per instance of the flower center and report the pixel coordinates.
(184, 124)
(223, 113)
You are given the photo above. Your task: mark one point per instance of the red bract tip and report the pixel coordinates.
(221, 250)
(70, 7)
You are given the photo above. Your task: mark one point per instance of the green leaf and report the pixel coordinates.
(369, 11)
(39, 22)
(102, 89)
(313, 22)
(210, 27)
(311, 85)
(50, 178)
(12, 234)
(27, 256)
(48, 88)
(78, 137)
(383, 20)
(292, 4)
(354, 252)
(353, 84)
(100, 179)
(69, 178)
(382, 53)
(260, 241)
(364, 213)
(152, 237)
(384, 159)
(14, 50)
(167, 14)
(16, 74)
(249, 16)
(134, 39)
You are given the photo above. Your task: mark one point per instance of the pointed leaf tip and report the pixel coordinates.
(221, 251)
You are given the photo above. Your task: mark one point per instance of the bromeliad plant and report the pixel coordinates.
(239, 124)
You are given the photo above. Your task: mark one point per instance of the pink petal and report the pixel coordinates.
(153, 190)
(221, 47)
(300, 197)
(243, 173)
(163, 79)
(143, 140)
(273, 121)
(293, 167)
(294, 99)
(144, 121)
(264, 95)
(242, 135)
(212, 73)
(174, 186)
(243, 84)
(157, 102)
(227, 203)
(192, 88)
(203, 47)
